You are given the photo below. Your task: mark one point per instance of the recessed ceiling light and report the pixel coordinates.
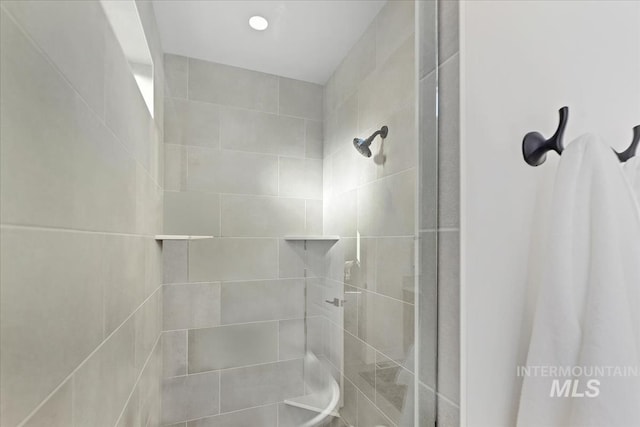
(258, 23)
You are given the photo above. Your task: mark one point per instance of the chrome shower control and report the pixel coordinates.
(337, 302)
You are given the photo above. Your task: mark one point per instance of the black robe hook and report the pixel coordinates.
(535, 147)
(631, 151)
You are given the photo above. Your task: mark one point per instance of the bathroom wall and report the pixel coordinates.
(515, 77)
(243, 153)
(81, 198)
(439, 213)
(371, 204)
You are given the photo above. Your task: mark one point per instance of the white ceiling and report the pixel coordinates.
(305, 40)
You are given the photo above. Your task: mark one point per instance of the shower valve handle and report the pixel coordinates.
(335, 302)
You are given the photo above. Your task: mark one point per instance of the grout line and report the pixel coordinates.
(10, 226)
(255, 365)
(233, 324)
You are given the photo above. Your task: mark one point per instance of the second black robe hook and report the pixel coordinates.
(631, 151)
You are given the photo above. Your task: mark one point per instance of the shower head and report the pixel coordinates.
(362, 145)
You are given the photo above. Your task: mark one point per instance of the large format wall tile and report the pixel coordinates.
(394, 25)
(261, 384)
(258, 132)
(174, 353)
(259, 216)
(221, 171)
(57, 411)
(300, 99)
(192, 305)
(191, 123)
(55, 151)
(300, 178)
(232, 86)
(51, 313)
(78, 46)
(190, 397)
(232, 346)
(233, 259)
(386, 207)
(191, 213)
(313, 139)
(262, 300)
(176, 71)
(263, 416)
(104, 382)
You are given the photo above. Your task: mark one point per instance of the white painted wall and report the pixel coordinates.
(520, 62)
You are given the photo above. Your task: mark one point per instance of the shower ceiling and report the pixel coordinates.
(305, 40)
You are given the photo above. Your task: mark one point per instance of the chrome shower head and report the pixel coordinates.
(362, 145)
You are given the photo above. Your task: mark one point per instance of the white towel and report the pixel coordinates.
(632, 170)
(588, 307)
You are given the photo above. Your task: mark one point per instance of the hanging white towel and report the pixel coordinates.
(632, 170)
(588, 308)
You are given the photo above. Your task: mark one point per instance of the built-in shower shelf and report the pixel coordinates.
(325, 238)
(180, 237)
(310, 402)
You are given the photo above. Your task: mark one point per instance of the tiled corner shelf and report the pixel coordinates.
(180, 237)
(319, 238)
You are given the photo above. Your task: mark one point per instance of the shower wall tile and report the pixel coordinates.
(268, 133)
(263, 416)
(449, 143)
(341, 125)
(176, 69)
(260, 385)
(57, 410)
(401, 144)
(175, 168)
(449, 314)
(150, 389)
(354, 68)
(191, 213)
(259, 216)
(428, 153)
(221, 171)
(300, 99)
(104, 382)
(389, 87)
(148, 328)
(428, 316)
(175, 261)
(300, 178)
(233, 259)
(78, 180)
(174, 353)
(191, 123)
(427, 50)
(395, 268)
(448, 413)
(190, 397)
(448, 29)
(51, 312)
(192, 305)
(313, 218)
(386, 207)
(340, 214)
(77, 143)
(291, 339)
(232, 346)
(131, 415)
(369, 414)
(313, 139)
(123, 270)
(394, 25)
(262, 300)
(232, 86)
(359, 364)
(80, 29)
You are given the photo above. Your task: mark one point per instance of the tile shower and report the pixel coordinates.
(217, 331)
